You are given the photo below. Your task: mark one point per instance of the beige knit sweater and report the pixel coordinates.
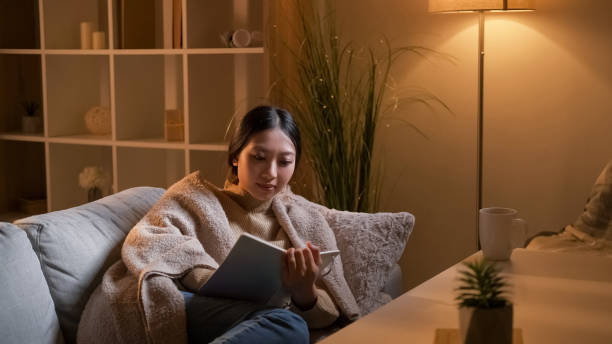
(248, 214)
(137, 300)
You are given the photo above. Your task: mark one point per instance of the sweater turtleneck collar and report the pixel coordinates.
(245, 200)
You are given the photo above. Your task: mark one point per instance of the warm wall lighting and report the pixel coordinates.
(480, 6)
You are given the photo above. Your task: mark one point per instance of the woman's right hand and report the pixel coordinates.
(300, 274)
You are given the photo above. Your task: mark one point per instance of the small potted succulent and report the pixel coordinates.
(485, 315)
(30, 122)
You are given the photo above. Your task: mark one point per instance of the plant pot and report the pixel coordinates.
(31, 124)
(94, 194)
(486, 325)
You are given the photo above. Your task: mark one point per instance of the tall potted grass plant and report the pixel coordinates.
(338, 96)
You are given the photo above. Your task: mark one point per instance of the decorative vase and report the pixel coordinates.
(98, 121)
(94, 194)
(31, 124)
(486, 325)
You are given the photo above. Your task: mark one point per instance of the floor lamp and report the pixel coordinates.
(480, 6)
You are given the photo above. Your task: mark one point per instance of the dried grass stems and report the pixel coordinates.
(337, 97)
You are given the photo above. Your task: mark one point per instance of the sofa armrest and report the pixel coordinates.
(75, 247)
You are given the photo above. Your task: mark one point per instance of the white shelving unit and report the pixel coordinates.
(207, 82)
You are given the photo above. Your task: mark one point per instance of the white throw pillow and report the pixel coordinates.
(370, 246)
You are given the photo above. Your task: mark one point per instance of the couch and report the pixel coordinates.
(52, 262)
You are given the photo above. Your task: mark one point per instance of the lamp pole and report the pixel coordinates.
(479, 120)
(481, 7)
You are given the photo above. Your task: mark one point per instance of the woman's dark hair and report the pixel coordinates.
(259, 119)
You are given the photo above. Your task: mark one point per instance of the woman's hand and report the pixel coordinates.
(300, 273)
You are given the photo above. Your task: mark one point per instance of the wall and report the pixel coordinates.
(548, 126)
(550, 129)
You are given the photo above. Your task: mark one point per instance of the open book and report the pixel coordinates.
(252, 271)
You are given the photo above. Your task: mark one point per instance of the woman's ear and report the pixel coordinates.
(235, 162)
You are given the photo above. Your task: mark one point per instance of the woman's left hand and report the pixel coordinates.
(300, 273)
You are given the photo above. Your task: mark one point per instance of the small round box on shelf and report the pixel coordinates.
(31, 206)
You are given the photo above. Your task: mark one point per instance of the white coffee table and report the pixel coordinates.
(558, 298)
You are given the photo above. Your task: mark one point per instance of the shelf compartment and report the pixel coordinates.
(20, 80)
(208, 20)
(146, 86)
(148, 51)
(78, 52)
(67, 161)
(84, 139)
(75, 84)
(21, 51)
(212, 165)
(63, 21)
(19, 27)
(22, 179)
(222, 87)
(225, 51)
(213, 147)
(19, 136)
(145, 24)
(151, 143)
(149, 167)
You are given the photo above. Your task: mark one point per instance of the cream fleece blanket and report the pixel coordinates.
(138, 302)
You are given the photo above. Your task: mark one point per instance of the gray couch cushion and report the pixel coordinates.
(27, 313)
(77, 245)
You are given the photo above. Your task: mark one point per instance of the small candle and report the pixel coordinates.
(99, 41)
(86, 29)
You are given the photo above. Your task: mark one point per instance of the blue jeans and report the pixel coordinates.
(224, 321)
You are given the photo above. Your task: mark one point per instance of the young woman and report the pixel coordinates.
(263, 155)
(150, 295)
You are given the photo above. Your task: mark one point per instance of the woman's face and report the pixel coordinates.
(266, 164)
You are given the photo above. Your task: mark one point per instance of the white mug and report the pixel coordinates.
(500, 231)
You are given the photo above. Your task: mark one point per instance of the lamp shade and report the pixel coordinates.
(480, 5)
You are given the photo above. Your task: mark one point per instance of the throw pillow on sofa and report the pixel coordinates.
(27, 313)
(370, 246)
